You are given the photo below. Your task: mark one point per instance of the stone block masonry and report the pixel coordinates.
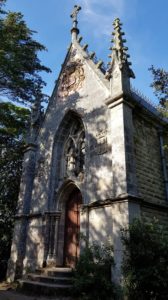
(151, 186)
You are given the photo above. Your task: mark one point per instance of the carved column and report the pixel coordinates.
(47, 238)
(57, 220)
(52, 236)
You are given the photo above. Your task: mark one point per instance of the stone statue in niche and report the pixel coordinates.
(74, 154)
(81, 153)
(81, 158)
(70, 160)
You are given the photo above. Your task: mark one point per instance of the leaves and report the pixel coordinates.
(14, 121)
(19, 63)
(145, 264)
(160, 84)
(92, 276)
(20, 81)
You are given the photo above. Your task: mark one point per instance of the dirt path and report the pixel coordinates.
(7, 292)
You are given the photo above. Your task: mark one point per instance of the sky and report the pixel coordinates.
(145, 23)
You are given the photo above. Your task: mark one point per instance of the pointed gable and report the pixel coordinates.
(79, 75)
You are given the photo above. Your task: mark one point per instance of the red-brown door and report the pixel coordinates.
(72, 228)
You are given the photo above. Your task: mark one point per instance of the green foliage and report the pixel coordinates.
(92, 275)
(13, 125)
(160, 86)
(19, 63)
(20, 81)
(145, 263)
(2, 2)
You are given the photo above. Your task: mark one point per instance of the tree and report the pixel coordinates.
(145, 263)
(20, 81)
(14, 121)
(19, 63)
(160, 85)
(92, 274)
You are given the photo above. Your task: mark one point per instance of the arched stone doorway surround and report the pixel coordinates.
(65, 196)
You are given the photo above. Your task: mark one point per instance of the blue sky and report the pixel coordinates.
(145, 23)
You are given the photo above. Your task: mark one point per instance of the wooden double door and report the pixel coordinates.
(72, 228)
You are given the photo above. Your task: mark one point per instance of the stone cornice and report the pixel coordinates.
(121, 98)
(56, 214)
(28, 216)
(129, 199)
(109, 202)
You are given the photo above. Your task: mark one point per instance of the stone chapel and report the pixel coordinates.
(92, 163)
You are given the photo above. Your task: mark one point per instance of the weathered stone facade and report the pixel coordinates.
(97, 137)
(148, 161)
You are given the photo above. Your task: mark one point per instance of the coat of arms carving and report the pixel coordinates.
(71, 79)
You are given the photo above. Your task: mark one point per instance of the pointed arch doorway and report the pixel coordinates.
(72, 228)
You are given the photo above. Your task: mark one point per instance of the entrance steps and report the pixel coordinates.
(48, 281)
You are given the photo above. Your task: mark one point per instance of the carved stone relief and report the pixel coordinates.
(99, 145)
(71, 79)
(101, 142)
(40, 168)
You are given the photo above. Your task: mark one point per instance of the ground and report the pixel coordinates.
(7, 292)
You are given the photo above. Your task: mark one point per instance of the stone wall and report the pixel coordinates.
(87, 101)
(35, 244)
(151, 186)
(148, 214)
(105, 224)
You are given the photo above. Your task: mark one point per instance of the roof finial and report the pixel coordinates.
(119, 51)
(75, 30)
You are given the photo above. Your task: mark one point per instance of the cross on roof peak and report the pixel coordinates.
(74, 15)
(75, 12)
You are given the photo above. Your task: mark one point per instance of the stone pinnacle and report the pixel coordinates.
(119, 51)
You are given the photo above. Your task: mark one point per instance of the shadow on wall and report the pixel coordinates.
(97, 185)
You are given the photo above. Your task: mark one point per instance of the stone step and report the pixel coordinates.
(55, 272)
(47, 289)
(49, 279)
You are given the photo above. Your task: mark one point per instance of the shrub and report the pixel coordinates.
(92, 275)
(145, 263)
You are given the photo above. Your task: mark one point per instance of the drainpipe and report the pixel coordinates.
(163, 159)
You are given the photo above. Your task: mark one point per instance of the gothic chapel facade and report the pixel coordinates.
(92, 163)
